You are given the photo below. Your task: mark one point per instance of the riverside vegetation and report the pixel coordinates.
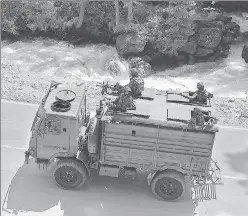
(152, 35)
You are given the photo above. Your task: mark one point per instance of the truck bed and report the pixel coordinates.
(152, 148)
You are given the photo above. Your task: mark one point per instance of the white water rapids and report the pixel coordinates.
(228, 77)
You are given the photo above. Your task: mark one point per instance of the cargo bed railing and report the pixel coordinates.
(205, 188)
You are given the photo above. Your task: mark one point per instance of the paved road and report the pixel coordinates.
(34, 191)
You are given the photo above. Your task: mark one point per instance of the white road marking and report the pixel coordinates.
(19, 102)
(13, 147)
(233, 177)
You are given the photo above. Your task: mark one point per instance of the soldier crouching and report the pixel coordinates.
(124, 101)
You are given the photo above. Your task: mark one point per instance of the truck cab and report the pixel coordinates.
(58, 124)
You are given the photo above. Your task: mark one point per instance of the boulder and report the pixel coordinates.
(201, 52)
(130, 43)
(181, 60)
(244, 54)
(232, 28)
(209, 37)
(223, 18)
(113, 67)
(191, 60)
(228, 38)
(143, 67)
(189, 47)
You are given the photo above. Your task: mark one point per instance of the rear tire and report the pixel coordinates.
(70, 174)
(168, 186)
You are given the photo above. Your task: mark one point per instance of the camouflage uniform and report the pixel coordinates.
(137, 86)
(124, 101)
(201, 95)
(118, 89)
(197, 118)
(136, 83)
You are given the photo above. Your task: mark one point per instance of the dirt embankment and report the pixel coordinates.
(30, 87)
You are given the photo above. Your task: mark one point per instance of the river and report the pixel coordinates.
(225, 78)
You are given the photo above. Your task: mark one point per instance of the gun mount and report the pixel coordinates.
(156, 137)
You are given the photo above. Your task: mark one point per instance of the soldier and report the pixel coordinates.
(136, 83)
(124, 101)
(200, 95)
(117, 89)
(197, 118)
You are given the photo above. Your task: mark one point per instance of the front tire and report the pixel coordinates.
(70, 174)
(168, 186)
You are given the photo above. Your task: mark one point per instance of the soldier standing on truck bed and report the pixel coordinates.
(200, 95)
(136, 83)
(124, 101)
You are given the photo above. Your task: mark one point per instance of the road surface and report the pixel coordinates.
(33, 192)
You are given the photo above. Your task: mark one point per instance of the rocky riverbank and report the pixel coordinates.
(26, 86)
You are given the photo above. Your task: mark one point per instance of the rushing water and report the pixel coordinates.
(228, 77)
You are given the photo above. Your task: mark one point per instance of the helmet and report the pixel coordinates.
(134, 72)
(127, 89)
(200, 86)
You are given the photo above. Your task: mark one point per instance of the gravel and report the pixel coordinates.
(30, 87)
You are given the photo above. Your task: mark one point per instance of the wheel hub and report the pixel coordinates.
(168, 188)
(68, 176)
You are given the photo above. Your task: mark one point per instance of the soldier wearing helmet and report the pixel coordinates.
(200, 95)
(124, 101)
(136, 83)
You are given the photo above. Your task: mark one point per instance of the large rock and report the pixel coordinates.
(201, 52)
(244, 54)
(130, 43)
(143, 67)
(209, 37)
(189, 47)
(113, 67)
(232, 28)
(228, 38)
(223, 18)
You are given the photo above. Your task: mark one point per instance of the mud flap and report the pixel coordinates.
(150, 177)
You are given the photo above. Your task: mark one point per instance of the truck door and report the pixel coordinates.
(53, 137)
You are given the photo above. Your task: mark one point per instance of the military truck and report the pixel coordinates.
(155, 138)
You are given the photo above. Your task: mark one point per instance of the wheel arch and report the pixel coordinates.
(66, 155)
(153, 175)
(76, 165)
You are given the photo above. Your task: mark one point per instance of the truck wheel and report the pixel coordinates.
(168, 186)
(70, 174)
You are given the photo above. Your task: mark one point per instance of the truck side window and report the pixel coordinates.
(53, 125)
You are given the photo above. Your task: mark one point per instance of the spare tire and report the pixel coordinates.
(61, 106)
